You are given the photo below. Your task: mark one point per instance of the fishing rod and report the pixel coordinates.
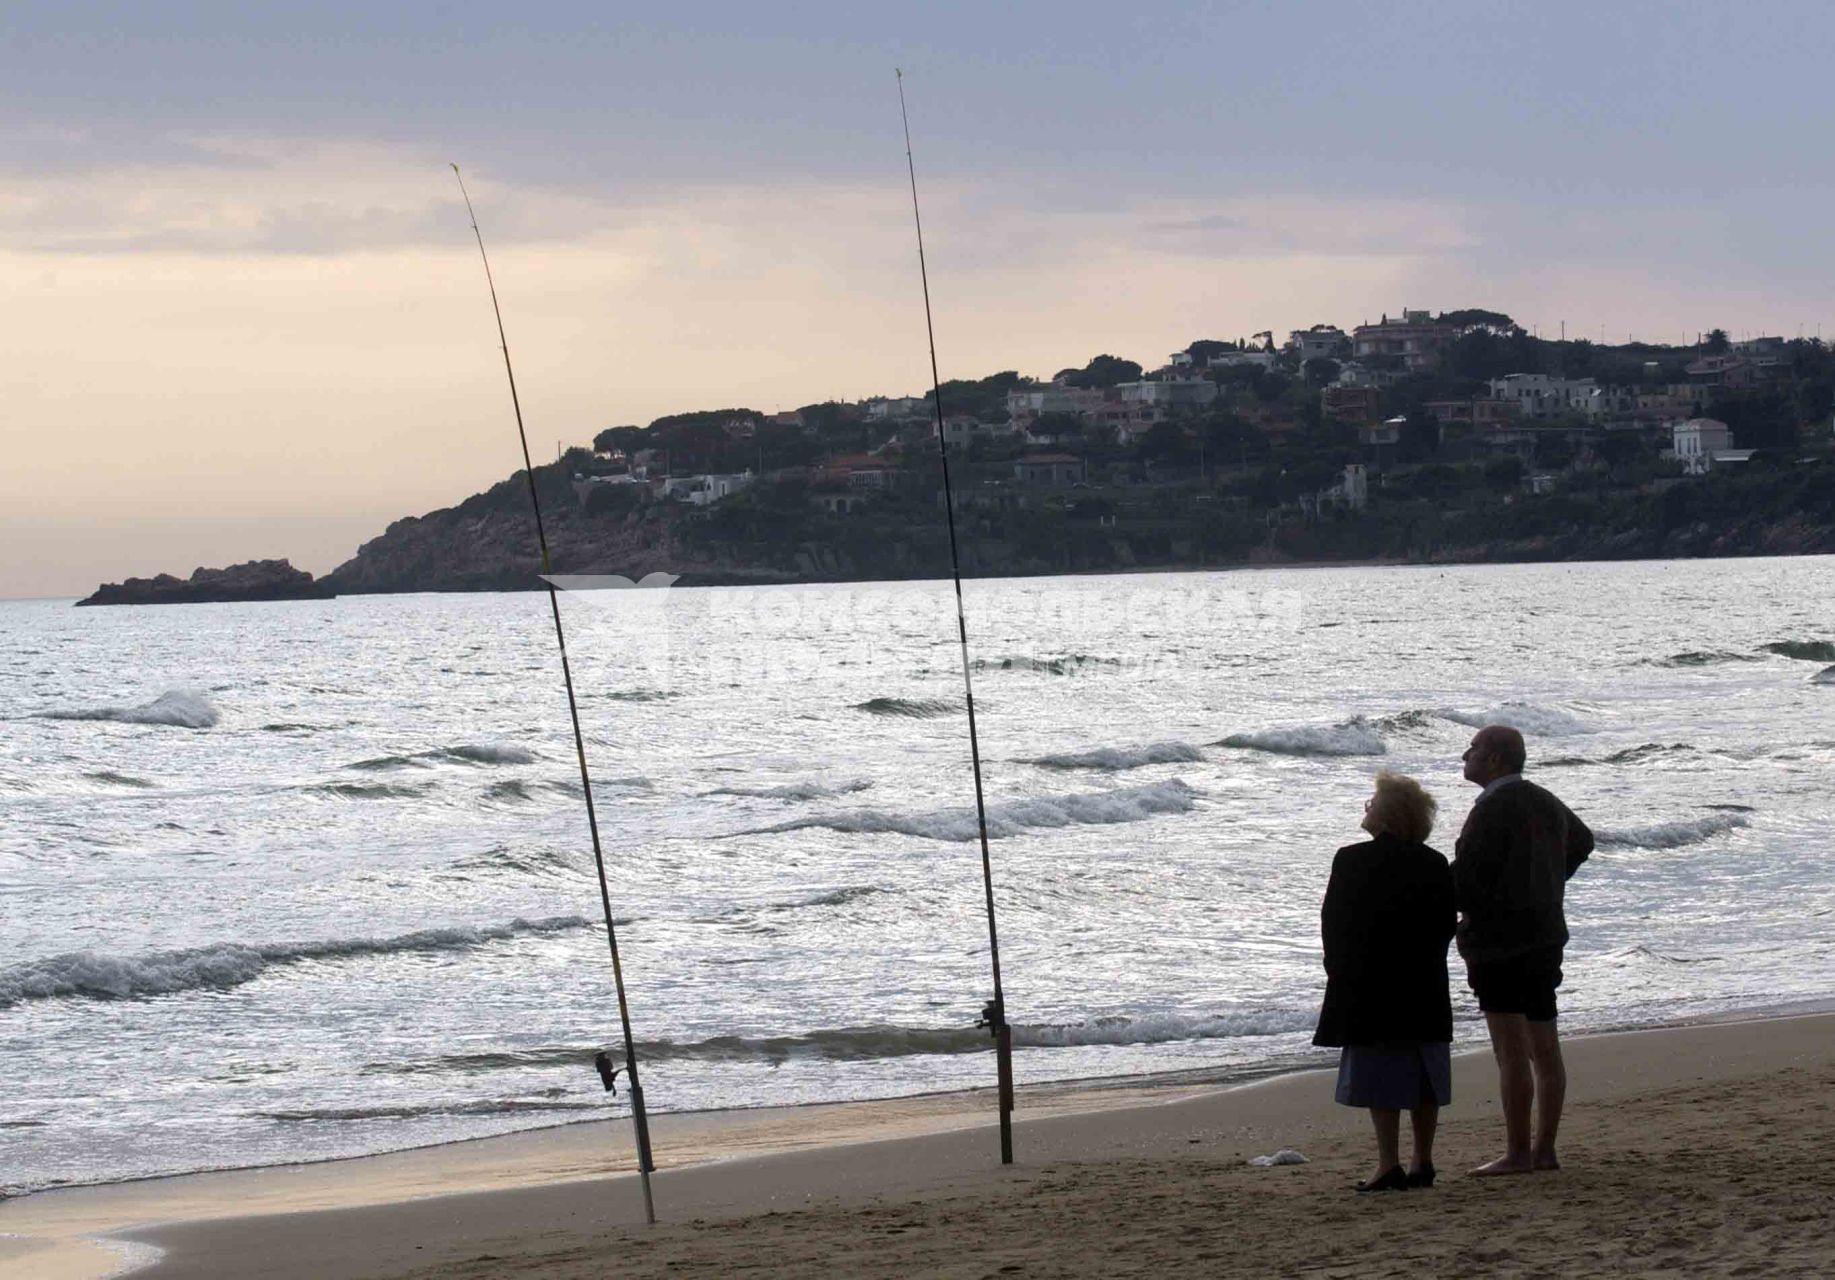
(607, 1072)
(994, 1015)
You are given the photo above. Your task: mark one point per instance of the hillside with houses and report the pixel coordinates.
(1412, 437)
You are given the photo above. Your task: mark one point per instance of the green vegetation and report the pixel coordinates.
(1257, 474)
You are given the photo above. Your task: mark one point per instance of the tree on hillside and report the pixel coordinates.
(1717, 343)
(626, 438)
(983, 398)
(1320, 371)
(1476, 319)
(1202, 350)
(1419, 437)
(1103, 371)
(704, 417)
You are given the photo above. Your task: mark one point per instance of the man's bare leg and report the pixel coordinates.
(1516, 1085)
(1424, 1120)
(1551, 1090)
(1388, 1140)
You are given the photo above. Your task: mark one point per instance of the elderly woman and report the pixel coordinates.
(1387, 919)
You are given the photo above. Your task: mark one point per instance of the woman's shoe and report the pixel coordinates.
(1394, 1180)
(1424, 1178)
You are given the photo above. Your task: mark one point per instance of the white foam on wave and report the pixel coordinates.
(1671, 835)
(1356, 737)
(1525, 716)
(805, 790)
(1116, 759)
(182, 708)
(86, 974)
(1010, 817)
(1162, 1028)
(887, 1041)
(488, 753)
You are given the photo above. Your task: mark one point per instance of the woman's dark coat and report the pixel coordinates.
(1387, 919)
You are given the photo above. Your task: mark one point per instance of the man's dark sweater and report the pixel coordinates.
(1510, 868)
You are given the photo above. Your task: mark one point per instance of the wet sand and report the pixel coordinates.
(1687, 1151)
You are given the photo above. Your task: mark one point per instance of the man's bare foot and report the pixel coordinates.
(1545, 1162)
(1503, 1166)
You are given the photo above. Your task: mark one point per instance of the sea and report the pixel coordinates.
(297, 881)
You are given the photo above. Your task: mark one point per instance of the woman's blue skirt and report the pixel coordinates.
(1395, 1077)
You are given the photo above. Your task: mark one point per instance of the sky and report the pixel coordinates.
(245, 316)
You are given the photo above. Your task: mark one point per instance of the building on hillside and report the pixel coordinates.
(1175, 395)
(1383, 434)
(1351, 493)
(788, 418)
(1031, 402)
(701, 490)
(1480, 413)
(1769, 356)
(1701, 444)
(1234, 359)
(1321, 342)
(1416, 338)
(883, 409)
(1722, 371)
(1353, 374)
(1351, 404)
(857, 471)
(1049, 470)
(1542, 395)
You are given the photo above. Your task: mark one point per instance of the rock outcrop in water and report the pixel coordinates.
(252, 580)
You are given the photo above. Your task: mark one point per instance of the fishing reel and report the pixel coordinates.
(993, 1017)
(608, 1073)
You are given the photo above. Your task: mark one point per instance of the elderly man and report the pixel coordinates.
(1510, 868)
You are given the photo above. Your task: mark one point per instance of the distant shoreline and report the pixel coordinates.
(689, 580)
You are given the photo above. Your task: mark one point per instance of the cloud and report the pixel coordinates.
(235, 195)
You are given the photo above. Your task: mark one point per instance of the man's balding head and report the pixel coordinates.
(1496, 752)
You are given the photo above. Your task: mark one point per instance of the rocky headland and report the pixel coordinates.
(252, 580)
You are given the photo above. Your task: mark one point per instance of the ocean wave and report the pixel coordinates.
(1068, 664)
(1807, 650)
(368, 790)
(1354, 737)
(113, 779)
(810, 790)
(1405, 721)
(1700, 658)
(1162, 1028)
(913, 708)
(1641, 952)
(85, 974)
(181, 708)
(878, 1041)
(639, 695)
(1824, 676)
(1629, 755)
(1115, 759)
(463, 753)
(480, 1107)
(1526, 716)
(1671, 835)
(287, 727)
(1010, 817)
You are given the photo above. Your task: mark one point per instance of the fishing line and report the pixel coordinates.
(607, 1073)
(994, 1016)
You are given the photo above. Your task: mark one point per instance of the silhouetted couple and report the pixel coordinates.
(1391, 907)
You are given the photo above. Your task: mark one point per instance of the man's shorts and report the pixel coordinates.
(1522, 984)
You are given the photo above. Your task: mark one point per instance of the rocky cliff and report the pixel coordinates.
(253, 580)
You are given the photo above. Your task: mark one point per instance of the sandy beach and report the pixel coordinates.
(1688, 1151)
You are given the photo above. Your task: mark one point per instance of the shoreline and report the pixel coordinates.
(727, 579)
(97, 1230)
